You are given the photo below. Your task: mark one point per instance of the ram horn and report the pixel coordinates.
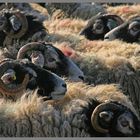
(23, 29)
(28, 47)
(4, 89)
(95, 115)
(114, 17)
(133, 24)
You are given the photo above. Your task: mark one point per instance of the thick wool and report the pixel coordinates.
(74, 10)
(114, 69)
(31, 117)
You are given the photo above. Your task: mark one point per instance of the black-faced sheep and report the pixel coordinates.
(51, 58)
(17, 77)
(99, 25)
(79, 114)
(129, 31)
(17, 28)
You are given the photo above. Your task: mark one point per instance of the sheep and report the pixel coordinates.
(114, 69)
(17, 28)
(74, 10)
(99, 25)
(129, 31)
(18, 76)
(100, 47)
(72, 116)
(49, 57)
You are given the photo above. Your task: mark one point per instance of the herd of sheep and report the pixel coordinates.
(67, 76)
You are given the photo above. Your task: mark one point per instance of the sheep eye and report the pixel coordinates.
(124, 123)
(51, 59)
(135, 28)
(99, 27)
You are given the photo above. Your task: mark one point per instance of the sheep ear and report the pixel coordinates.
(106, 115)
(15, 22)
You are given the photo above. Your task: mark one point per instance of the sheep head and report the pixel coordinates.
(128, 31)
(16, 77)
(115, 119)
(99, 25)
(51, 58)
(49, 85)
(13, 23)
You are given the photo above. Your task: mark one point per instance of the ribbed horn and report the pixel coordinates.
(114, 17)
(23, 29)
(28, 47)
(95, 115)
(4, 89)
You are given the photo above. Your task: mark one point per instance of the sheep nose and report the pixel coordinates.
(82, 77)
(64, 85)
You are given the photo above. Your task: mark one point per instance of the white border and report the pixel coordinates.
(70, 1)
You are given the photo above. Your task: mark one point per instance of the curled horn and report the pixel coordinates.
(133, 23)
(5, 60)
(23, 29)
(28, 47)
(114, 17)
(4, 89)
(95, 115)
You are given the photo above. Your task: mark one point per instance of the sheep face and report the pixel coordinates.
(99, 25)
(128, 31)
(17, 77)
(115, 119)
(48, 83)
(13, 22)
(51, 58)
(16, 25)
(125, 124)
(58, 63)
